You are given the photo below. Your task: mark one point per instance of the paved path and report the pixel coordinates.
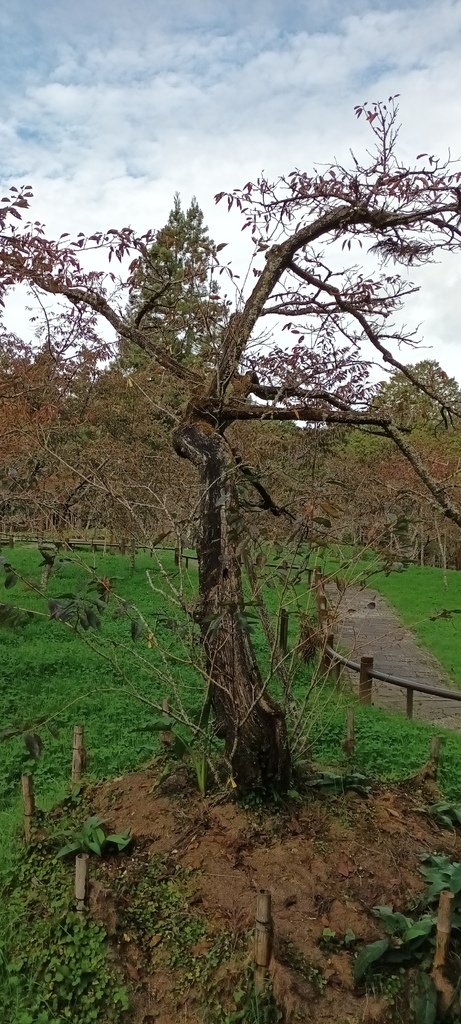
(364, 624)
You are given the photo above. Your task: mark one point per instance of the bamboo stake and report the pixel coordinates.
(78, 754)
(81, 881)
(442, 938)
(326, 660)
(444, 987)
(263, 937)
(28, 799)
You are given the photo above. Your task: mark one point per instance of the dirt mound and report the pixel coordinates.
(181, 908)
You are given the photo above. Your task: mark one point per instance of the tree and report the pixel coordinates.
(173, 294)
(402, 214)
(412, 407)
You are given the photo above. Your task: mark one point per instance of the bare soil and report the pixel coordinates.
(326, 863)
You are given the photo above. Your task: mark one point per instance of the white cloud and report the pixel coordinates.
(119, 105)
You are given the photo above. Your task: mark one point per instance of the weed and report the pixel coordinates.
(411, 941)
(331, 942)
(251, 1006)
(445, 814)
(91, 838)
(292, 957)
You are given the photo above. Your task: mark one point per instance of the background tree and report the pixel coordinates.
(173, 294)
(412, 407)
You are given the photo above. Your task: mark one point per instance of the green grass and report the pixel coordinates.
(48, 670)
(388, 747)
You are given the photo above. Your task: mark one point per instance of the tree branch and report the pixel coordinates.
(434, 487)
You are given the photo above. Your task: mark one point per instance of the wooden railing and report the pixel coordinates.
(332, 662)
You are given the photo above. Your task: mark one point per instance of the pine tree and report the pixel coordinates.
(175, 296)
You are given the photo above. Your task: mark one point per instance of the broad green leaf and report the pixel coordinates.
(65, 851)
(119, 839)
(424, 999)
(455, 880)
(94, 846)
(420, 929)
(368, 956)
(392, 922)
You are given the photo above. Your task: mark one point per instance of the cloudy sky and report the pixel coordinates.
(109, 107)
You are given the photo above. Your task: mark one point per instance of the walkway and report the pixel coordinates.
(364, 624)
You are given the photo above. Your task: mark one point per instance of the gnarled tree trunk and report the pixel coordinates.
(251, 722)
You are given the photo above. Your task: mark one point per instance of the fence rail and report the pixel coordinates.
(124, 546)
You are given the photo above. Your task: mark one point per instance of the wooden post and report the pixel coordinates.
(81, 881)
(410, 695)
(78, 754)
(325, 661)
(434, 754)
(283, 631)
(28, 799)
(11, 541)
(322, 604)
(333, 667)
(365, 680)
(176, 556)
(123, 547)
(263, 937)
(132, 556)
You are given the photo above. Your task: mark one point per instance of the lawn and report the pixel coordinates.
(49, 671)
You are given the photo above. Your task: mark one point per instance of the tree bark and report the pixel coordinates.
(250, 721)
